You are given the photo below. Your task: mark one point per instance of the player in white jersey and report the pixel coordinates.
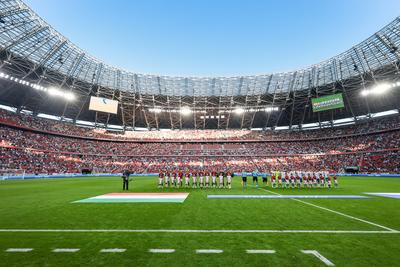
(177, 179)
(194, 180)
(229, 179)
(214, 179)
(221, 180)
(187, 180)
(166, 179)
(160, 180)
(207, 179)
(201, 180)
(172, 179)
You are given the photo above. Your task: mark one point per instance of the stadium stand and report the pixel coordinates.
(41, 146)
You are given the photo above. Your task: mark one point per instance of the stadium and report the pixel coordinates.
(298, 168)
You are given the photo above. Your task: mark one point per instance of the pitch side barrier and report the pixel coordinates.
(79, 175)
(71, 175)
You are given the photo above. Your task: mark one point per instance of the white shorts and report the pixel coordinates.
(229, 178)
(207, 179)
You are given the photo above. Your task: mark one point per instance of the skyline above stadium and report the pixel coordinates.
(207, 38)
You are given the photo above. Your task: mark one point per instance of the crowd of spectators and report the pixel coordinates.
(52, 143)
(46, 153)
(67, 128)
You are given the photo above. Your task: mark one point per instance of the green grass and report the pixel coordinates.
(47, 204)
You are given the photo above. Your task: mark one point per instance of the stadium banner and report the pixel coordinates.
(103, 105)
(327, 102)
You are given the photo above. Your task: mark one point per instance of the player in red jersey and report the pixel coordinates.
(298, 182)
(310, 179)
(287, 182)
(292, 180)
(273, 180)
(335, 181)
(314, 180)
(187, 179)
(329, 182)
(180, 174)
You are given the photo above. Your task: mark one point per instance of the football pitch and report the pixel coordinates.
(42, 223)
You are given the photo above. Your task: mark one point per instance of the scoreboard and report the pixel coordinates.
(327, 102)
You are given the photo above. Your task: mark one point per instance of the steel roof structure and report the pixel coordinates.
(31, 50)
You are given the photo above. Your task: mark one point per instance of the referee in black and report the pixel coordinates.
(125, 180)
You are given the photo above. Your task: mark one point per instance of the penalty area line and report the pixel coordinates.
(337, 212)
(196, 231)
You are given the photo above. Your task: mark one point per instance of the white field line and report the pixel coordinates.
(195, 231)
(68, 250)
(113, 250)
(19, 249)
(207, 251)
(157, 250)
(260, 251)
(319, 256)
(336, 212)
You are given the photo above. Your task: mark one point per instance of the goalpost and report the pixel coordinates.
(6, 174)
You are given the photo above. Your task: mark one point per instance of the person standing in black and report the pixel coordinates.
(125, 180)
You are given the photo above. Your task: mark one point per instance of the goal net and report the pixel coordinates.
(6, 174)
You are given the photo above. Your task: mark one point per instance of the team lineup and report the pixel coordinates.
(214, 179)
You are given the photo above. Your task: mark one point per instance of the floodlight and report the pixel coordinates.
(155, 110)
(69, 96)
(185, 111)
(380, 88)
(365, 92)
(239, 111)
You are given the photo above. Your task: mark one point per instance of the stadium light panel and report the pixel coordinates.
(57, 92)
(238, 111)
(155, 110)
(69, 96)
(381, 88)
(365, 92)
(185, 111)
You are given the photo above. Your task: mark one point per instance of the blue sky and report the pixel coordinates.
(215, 37)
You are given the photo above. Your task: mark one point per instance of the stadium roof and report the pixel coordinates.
(33, 51)
(30, 37)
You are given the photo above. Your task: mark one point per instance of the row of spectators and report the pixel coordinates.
(67, 128)
(53, 143)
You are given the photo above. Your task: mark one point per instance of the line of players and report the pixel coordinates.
(207, 179)
(302, 179)
(195, 179)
